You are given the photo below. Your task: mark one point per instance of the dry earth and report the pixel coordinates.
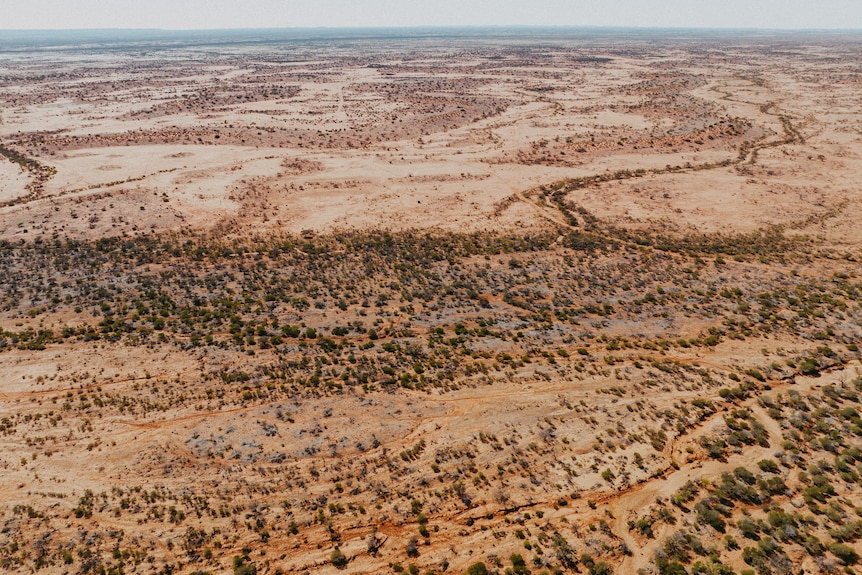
(546, 301)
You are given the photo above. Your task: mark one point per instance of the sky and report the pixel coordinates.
(212, 14)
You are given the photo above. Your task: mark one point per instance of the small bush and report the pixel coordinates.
(846, 554)
(338, 558)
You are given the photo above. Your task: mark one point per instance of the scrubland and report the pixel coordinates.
(576, 303)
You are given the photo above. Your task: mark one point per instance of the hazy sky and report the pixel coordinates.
(336, 13)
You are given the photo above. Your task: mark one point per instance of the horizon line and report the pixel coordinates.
(436, 27)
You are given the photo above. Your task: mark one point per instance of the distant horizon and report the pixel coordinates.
(212, 15)
(436, 27)
(22, 40)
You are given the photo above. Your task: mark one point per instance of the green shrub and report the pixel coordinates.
(338, 558)
(846, 554)
(519, 566)
(808, 366)
(240, 567)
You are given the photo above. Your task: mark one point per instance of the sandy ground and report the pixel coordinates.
(572, 429)
(428, 145)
